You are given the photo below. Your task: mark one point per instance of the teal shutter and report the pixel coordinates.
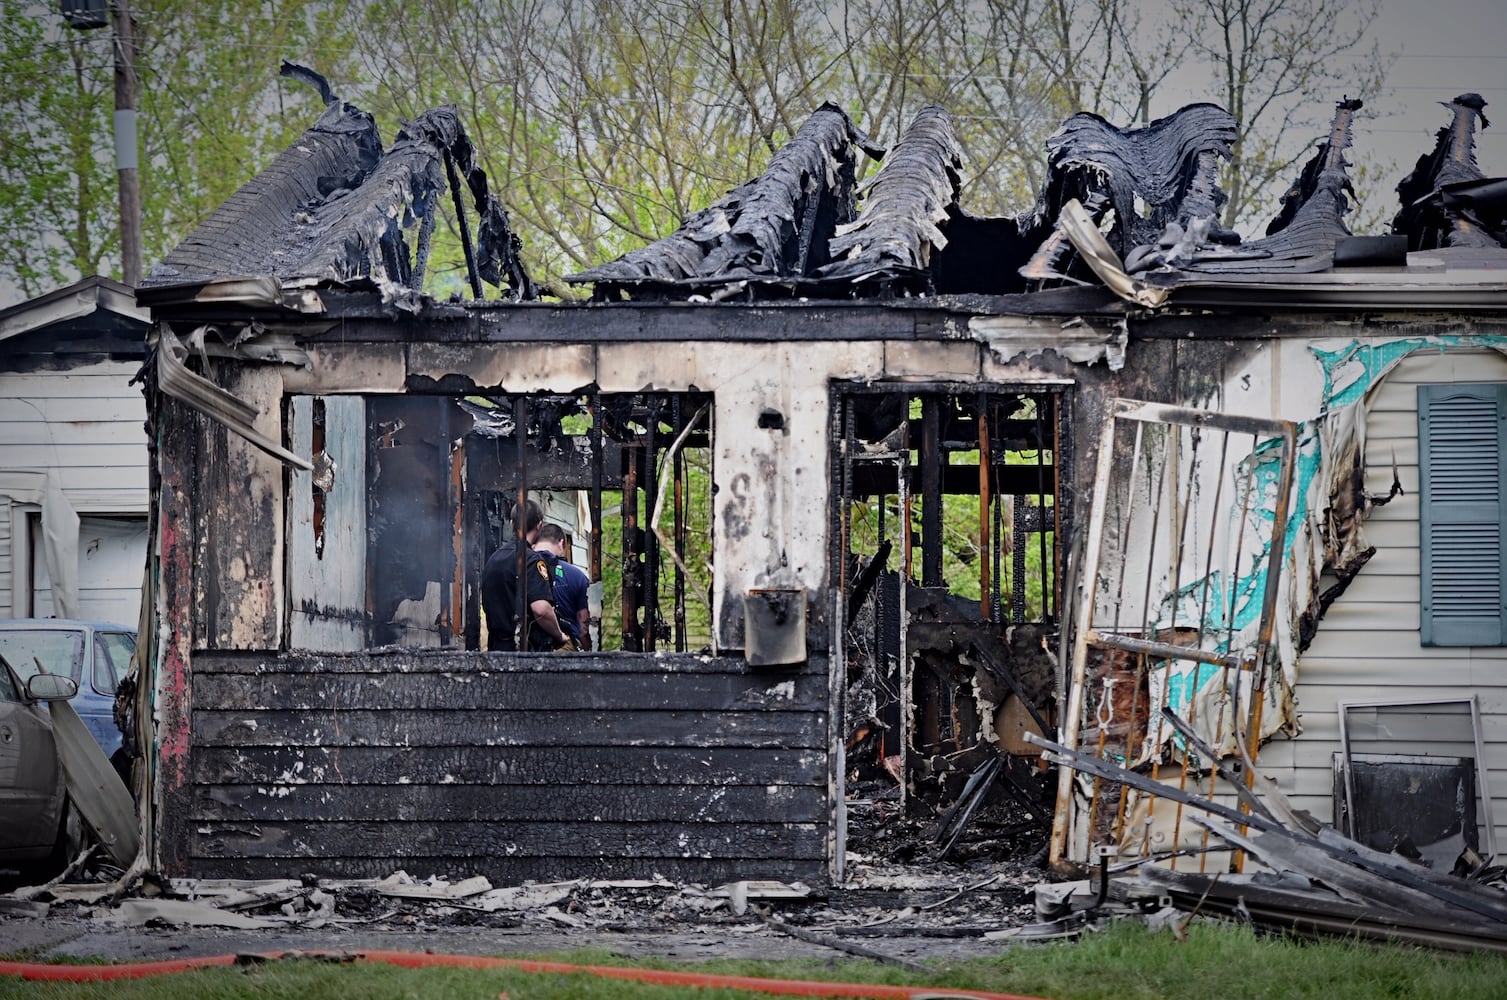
(1461, 441)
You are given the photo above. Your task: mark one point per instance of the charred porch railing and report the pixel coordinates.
(1176, 609)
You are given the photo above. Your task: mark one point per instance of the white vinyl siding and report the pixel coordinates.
(5, 560)
(1369, 646)
(85, 423)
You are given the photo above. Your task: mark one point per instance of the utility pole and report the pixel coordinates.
(123, 41)
(86, 15)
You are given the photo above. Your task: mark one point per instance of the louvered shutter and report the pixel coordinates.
(1461, 438)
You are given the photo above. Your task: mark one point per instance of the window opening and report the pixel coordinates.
(629, 479)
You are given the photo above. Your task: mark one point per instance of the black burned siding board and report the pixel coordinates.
(605, 765)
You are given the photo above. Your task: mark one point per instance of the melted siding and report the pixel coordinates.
(1368, 648)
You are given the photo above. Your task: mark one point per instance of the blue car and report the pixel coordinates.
(95, 656)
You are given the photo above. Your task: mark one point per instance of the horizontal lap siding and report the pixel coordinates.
(605, 765)
(1367, 647)
(86, 426)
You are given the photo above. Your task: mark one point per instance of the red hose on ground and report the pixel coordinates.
(418, 960)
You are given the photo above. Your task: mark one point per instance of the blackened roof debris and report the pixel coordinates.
(905, 206)
(1168, 164)
(1447, 201)
(1303, 235)
(775, 228)
(337, 208)
(334, 207)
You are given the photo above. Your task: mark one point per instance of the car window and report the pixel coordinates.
(8, 690)
(60, 651)
(112, 657)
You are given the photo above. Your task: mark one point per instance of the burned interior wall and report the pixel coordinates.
(1350, 585)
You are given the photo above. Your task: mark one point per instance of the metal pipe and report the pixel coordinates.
(986, 466)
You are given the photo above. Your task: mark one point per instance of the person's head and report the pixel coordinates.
(551, 539)
(527, 517)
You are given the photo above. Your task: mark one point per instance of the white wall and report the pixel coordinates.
(85, 423)
(1367, 647)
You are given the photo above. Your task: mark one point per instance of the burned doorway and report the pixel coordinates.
(948, 562)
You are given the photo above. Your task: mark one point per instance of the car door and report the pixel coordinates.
(31, 779)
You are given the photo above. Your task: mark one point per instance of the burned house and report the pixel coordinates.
(856, 472)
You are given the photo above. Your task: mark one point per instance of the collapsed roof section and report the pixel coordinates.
(905, 205)
(1447, 201)
(335, 208)
(1136, 209)
(774, 229)
(1168, 164)
(912, 236)
(1303, 236)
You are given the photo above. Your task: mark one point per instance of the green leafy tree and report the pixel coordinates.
(58, 201)
(602, 125)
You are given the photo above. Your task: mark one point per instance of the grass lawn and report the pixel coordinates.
(1125, 962)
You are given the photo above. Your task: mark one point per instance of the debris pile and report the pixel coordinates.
(1308, 879)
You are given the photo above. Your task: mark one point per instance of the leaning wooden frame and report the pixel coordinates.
(1181, 608)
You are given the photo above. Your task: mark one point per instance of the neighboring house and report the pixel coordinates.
(841, 464)
(73, 454)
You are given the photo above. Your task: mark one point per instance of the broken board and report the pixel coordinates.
(94, 787)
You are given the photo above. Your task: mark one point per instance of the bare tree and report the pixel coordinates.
(1279, 67)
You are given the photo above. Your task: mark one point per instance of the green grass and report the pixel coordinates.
(1125, 962)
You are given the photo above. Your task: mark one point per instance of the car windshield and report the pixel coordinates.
(60, 651)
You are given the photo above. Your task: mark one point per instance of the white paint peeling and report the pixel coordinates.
(1077, 340)
(784, 690)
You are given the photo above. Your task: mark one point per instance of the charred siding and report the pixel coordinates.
(513, 767)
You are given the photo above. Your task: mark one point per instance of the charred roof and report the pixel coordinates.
(337, 208)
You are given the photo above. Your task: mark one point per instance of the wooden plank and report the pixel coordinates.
(518, 839)
(515, 871)
(498, 765)
(89, 456)
(75, 434)
(672, 803)
(240, 580)
(107, 379)
(327, 571)
(177, 524)
(515, 690)
(511, 728)
(426, 661)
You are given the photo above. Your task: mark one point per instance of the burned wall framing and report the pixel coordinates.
(929, 672)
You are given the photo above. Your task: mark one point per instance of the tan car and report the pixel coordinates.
(33, 802)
